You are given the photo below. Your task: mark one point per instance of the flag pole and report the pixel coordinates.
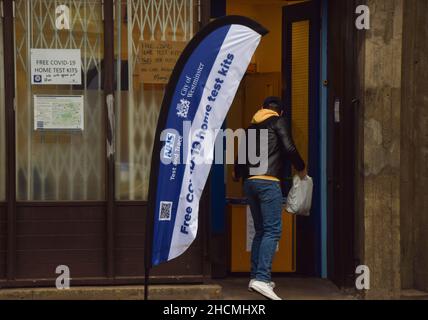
(147, 258)
(146, 282)
(148, 242)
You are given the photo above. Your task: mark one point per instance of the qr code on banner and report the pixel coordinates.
(165, 211)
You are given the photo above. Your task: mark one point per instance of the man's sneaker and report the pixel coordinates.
(272, 284)
(264, 289)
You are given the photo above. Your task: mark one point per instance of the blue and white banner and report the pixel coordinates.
(198, 97)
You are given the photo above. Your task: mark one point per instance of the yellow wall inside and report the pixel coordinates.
(300, 86)
(269, 14)
(268, 54)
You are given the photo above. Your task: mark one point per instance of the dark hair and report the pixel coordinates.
(273, 103)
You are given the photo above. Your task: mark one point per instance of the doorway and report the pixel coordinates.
(300, 71)
(287, 63)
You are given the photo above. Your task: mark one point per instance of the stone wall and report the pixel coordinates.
(394, 147)
(381, 102)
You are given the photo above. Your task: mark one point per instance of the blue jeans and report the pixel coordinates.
(265, 200)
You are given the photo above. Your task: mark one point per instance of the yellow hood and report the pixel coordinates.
(264, 114)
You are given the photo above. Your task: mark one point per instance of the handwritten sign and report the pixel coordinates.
(157, 60)
(56, 66)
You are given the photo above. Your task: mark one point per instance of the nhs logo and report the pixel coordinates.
(169, 145)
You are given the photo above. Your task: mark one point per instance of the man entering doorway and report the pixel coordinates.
(263, 191)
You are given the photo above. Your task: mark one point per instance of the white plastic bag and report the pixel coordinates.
(299, 199)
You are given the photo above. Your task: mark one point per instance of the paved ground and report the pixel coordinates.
(228, 289)
(156, 292)
(411, 294)
(286, 288)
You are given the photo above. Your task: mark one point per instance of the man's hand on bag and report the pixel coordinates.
(302, 174)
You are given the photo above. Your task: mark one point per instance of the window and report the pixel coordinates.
(60, 164)
(149, 37)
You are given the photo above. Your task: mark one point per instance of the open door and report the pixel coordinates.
(300, 70)
(343, 121)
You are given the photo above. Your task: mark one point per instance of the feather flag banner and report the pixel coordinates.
(197, 99)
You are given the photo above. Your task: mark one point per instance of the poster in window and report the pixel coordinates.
(58, 112)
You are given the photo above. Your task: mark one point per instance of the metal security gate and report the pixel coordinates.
(78, 198)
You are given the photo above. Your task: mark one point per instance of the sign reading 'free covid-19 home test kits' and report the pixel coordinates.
(56, 66)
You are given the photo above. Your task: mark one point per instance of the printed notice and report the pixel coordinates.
(58, 112)
(250, 229)
(56, 66)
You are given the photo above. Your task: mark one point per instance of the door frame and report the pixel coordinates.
(344, 43)
(339, 51)
(308, 229)
(9, 87)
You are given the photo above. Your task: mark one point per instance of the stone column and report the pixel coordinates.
(381, 86)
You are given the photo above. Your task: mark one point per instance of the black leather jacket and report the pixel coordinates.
(280, 145)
